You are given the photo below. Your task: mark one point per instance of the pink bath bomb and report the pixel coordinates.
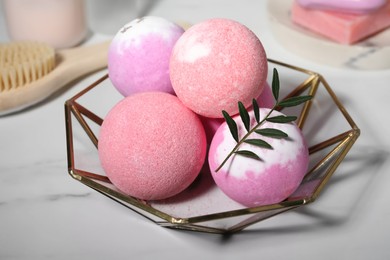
(215, 64)
(151, 146)
(266, 98)
(138, 56)
(259, 182)
(211, 125)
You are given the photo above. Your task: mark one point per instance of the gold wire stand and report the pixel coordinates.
(335, 147)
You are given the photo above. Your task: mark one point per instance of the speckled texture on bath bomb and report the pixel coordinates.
(215, 64)
(138, 56)
(252, 182)
(151, 146)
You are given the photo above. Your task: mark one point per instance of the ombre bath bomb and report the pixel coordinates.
(138, 56)
(259, 182)
(151, 146)
(215, 64)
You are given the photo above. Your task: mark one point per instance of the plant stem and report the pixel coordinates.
(235, 148)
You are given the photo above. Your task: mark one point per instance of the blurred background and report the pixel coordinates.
(106, 17)
(99, 14)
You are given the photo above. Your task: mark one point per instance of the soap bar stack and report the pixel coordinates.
(343, 21)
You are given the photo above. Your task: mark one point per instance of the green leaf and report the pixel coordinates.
(244, 115)
(275, 84)
(256, 110)
(281, 119)
(294, 101)
(231, 124)
(258, 143)
(248, 154)
(271, 132)
(267, 132)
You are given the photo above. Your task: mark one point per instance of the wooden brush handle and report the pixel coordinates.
(70, 65)
(76, 62)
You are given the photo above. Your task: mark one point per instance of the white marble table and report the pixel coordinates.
(45, 214)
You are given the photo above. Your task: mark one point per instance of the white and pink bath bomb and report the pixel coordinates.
(151, 146)
(259, 182)
(215, 64)
(138, 56)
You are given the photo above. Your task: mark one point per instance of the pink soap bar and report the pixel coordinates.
(341, 27)
(344, 6)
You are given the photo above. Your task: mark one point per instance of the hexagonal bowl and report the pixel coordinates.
(326, 125)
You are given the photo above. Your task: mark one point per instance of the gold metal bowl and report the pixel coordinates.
(328, 129)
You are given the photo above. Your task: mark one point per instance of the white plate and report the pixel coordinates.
(371, 54)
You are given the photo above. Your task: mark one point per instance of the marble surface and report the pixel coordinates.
(45, 214)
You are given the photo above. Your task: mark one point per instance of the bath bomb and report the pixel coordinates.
(215, 64)
(266, 98)
(254, 182)
(211, 125)
(138, 56)
(151, 146)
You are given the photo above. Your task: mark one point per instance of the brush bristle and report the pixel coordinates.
(24, 62)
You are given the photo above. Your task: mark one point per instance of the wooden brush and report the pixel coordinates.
(31, 71)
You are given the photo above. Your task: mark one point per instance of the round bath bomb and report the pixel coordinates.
(215, 64)
(254, 182)
(211, 125)
(266, 98)
(138, 56)
(151, 146)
